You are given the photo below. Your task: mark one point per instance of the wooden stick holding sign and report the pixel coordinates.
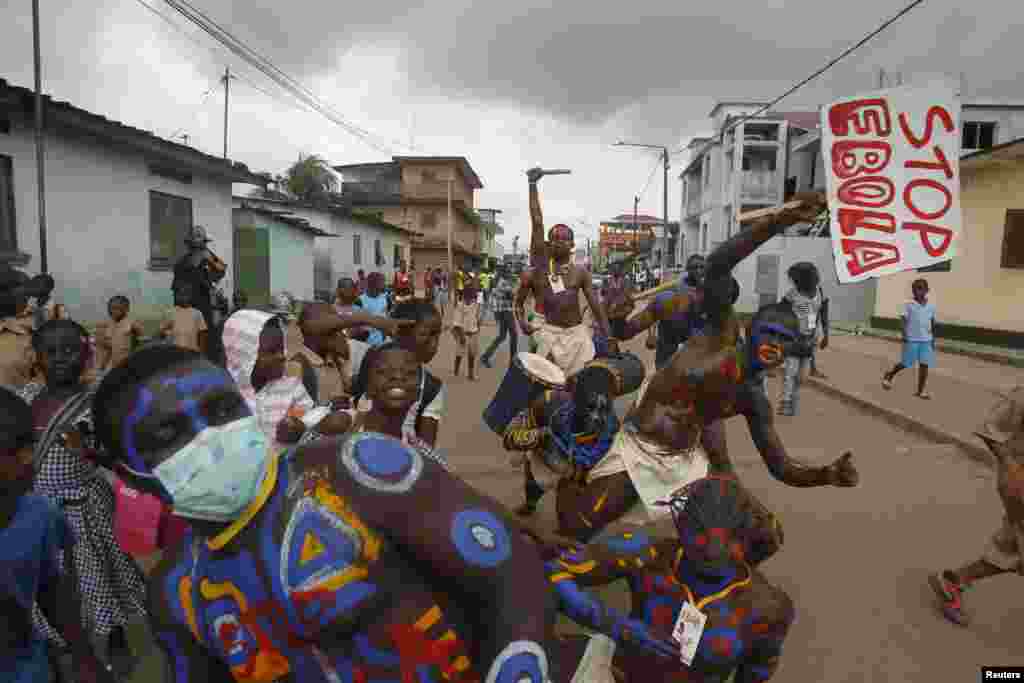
(749, 216)
(654, 291)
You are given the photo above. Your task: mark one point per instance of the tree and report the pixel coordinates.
(310, 178)
(275, 189)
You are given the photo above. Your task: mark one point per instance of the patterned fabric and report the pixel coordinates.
(794, 371)
(807, 309)
(112, 586)
(502, 299)
(271, 403)
(581, 455)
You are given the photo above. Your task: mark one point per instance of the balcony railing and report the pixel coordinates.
(434, 190)
(362, 193)
(760, 186)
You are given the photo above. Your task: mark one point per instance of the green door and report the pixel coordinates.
(252, 264)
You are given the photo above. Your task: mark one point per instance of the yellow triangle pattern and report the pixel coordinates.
(312, 547)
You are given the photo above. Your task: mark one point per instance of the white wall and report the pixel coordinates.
(97, 214)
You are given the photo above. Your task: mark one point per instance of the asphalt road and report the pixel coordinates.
(855, 560)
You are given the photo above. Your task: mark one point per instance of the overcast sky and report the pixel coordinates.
(509, 85)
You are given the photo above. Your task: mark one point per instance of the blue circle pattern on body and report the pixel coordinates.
(522, 661)
(381, 463)
(481, 538)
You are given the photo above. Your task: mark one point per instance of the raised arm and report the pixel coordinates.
(464, 539)
(789, 471)
(595, 306)
(538, 243)
(598, 564)
(726, 255)
(663, 306)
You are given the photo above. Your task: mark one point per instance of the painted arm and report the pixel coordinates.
(599, 564)
(460, 538)
(595, 306)
(538, 244)
(763, 661)
(723, 259)
(788, 470)
(656, 311)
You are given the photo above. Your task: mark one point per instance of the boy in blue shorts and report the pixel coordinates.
(918, 338)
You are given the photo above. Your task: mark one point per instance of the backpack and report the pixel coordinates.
(431, 388)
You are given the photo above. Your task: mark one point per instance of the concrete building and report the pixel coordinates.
(119, 202)
(978, 296)
(626, 235)
(412, 192)
(490, 228)
(273, 251)
(359, 239)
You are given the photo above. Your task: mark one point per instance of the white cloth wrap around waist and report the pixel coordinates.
(655, 472)
(571, 348)
(596, 664)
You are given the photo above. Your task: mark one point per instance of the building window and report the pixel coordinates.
(357, 249)
(1013, 239)
(8, 226)
(378, 254)
(170, 219)
(978, 135)
(398, 255)
(428, 220)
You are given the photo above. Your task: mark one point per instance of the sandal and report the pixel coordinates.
(925, 395)
(886, 383)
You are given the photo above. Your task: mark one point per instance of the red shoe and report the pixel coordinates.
(950, 594)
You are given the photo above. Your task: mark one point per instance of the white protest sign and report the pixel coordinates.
(892, 166)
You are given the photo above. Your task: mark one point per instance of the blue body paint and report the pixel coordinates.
(481, 538)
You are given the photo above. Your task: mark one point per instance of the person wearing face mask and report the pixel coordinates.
(699, 611)
(112, 586)
(563, 434)
(332, 561)
(675, 433)
(255, 345)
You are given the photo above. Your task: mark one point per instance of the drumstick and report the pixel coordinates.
(648, 293)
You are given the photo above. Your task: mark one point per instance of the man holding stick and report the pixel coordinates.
(556, 282)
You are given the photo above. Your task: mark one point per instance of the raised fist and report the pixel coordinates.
(534, 174)
(843, 472)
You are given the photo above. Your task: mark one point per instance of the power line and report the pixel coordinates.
(654, 169)
(825, 68)
(202, 100)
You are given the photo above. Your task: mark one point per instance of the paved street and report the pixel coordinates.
(855, 561)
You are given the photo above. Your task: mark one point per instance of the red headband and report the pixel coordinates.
(561, 233)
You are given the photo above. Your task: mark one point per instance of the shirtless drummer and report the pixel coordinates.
(666, 442)
(555, 282)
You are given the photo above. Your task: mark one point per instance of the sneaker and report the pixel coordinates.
(925, 395)
(886, 383)
(950, 594)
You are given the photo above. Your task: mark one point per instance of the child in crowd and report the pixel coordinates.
(35, 563)
(375, 302)
(256, 353)
(118, 337)
(811, 308)
(113, 587)
(185, 326)
(466, 328)
(918, 338)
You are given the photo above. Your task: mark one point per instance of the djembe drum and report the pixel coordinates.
(527, 377)
(627, 369)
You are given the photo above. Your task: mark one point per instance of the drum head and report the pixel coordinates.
(541, 370)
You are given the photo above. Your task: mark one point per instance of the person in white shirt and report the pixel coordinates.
(811, 308)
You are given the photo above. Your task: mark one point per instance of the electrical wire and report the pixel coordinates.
(650, 177)
(202, 100)
(825, 68)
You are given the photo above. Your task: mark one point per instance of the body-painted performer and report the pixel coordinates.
(564, 433)
(731, 619)
(1003, 432)
(670, 436)
(352, 560)
(112, 586)
(556, 283)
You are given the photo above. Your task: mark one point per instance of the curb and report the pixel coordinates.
(948, 348)
(975, 451)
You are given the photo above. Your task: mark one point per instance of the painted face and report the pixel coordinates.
(424, 339)
(270, 362)
(769, 342)
(118, 310)
(394, 379)
(168, 411)
(593, 411)
(15, 471)
(62, 355)
(710, 551)
(561, 239)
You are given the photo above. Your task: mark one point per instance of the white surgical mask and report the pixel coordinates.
(217, 474)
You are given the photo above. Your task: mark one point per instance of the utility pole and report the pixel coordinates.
(664, 213)
(636, 226)
(227, 78)
(40, 146)
(451, 263)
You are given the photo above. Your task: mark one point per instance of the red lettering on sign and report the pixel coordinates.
(941, 165)
(867, 256)
(865, 116)
(908, 198)
(924, 230)
(936, 111)
(852, 158)
(851, 220)
(872, 192)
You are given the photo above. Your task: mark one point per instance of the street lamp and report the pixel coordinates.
(664, 153)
